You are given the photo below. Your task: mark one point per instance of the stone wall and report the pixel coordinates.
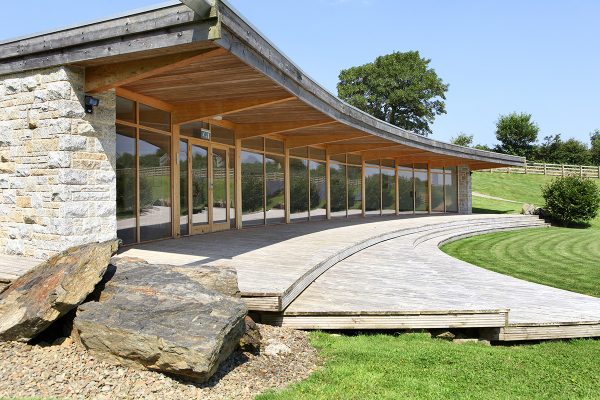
(57, 163)
(465, 194)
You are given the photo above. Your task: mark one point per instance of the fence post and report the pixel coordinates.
(525, 167)
(562, 167)
(581, 171)
(598, 172)
(544, 168)
(508, 170)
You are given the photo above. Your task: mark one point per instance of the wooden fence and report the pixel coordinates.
(588, 171)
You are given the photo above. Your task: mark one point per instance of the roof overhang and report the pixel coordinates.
(140, 51)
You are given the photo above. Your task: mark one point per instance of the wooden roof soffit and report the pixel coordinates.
(150, 101)
(311, 140)
(201, 110)
(333, 149)
(244, 131)
(105, 77)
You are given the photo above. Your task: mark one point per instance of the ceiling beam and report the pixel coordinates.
(150, 101)
(392, 152)
(106, 77)
(200, 110)
(244, 131)
(309, 140)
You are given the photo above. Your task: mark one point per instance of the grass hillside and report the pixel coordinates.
(566, 258)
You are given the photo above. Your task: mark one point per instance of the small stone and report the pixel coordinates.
(446, 335)
(275, 349)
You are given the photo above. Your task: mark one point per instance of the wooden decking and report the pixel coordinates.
(380, 273)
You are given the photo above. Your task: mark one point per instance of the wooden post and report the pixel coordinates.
(327, 186)
(562, 168)
(525, 167)
(598, 172)
(508, 170)
(238, 183)
(286, 182)
(581, 171)
(362, 186)
(175, 181)
(544, 168)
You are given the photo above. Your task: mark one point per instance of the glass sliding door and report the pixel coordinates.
(406, 188)
(354, 190)
(199, 188)
(437, 190)
(184, 192)
(451, 189)
(299, 190)
(318, 190)
(253, 211)
(274, 189)
(388, 191)
(421, 188)
(372, 190)
(155, 185)
(126, 184)
(220, 189)
(338, 190)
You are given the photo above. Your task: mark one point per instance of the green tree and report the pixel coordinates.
(462, 139)
(399, 88)
(517, 134)
(571, 151)
(595, 148)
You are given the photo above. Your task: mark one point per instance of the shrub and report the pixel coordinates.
(572, 199)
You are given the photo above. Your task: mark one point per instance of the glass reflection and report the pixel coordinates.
(318, 190)
(219, 188)
(406, 188)
(388, 191)
(199, 185)
(421, 189)
(354, 190)
(184, 227)
(126, 185)
(274, 189)
(372, 191)
(155, 186)
(451, 190)
(437, 190)
(253, 212)
(337, 189)
(298, 189)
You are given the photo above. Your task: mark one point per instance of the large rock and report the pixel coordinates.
(52, 289)
(528, 209)
(157, 317)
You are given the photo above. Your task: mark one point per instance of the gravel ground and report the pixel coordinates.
(68, 371)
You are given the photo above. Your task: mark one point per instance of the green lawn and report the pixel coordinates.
(413, 366)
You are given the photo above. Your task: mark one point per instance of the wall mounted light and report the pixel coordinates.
(89, 103)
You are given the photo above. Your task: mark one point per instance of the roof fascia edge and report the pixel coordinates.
(234, 24)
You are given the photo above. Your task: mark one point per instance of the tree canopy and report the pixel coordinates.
(399, 88)
(462, 139)
(517, 134)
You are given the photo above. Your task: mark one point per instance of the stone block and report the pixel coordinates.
(72, 143)
(59, 159)
(72, 177)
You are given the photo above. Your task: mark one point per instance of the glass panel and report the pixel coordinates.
(223, 135)
(405, 188)
(219, 185)
(339, 158)
(318, 190)
(372, 191)
(317, 154)
(298, 189)
(126, 186)
(373, 163)
(354, 190)
(337, 189)
(232, 188)
(253, 212)
(274, 166)
(198, 130)
(451, 192)
(437, 191)
(255, 143)
(274, 146)
(299, 152)
(155, 118)
(199, 185)
(421, 189)
(155, 186)
(183, 188)
(354, 159)
(125, 109)
(388, 190)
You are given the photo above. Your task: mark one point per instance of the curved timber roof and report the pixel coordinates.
(205, 62)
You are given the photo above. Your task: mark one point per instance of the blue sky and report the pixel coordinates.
(540, 57)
